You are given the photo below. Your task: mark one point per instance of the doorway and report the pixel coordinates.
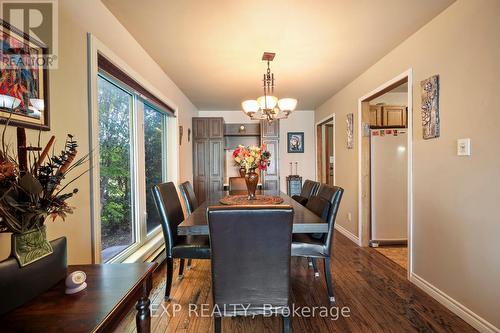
(384, 169)
(325, 150)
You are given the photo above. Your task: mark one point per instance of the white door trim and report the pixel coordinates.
(332, 116)
(409, 74)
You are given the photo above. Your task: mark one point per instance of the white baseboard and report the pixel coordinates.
(479, 323)
(347, 233)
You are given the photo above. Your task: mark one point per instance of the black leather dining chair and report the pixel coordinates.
(309, 189)
(321, 208)
(237, 184)
(176, 246)
(248, 268)
(305, 245)
(189, 197)
(190, 201)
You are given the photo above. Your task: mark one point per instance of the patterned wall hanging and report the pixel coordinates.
(350, 130)
(430, 107)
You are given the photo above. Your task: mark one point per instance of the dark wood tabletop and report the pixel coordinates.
(304, 221)
(113, 289)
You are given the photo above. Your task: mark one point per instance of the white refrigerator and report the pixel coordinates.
(389, 169)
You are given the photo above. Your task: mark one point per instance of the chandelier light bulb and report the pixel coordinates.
(250, 106)
(287, 104)
(267, 102)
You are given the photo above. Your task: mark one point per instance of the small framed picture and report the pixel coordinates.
(295, 142)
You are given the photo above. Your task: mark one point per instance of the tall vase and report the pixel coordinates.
(243, 172)
(251, 179)
(30, 246)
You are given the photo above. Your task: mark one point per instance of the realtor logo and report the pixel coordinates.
(36, 19)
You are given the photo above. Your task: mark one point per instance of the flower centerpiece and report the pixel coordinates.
(31, 190)
(249, 159)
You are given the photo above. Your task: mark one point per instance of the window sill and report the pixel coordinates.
(149, 250)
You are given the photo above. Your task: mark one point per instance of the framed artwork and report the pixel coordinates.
(350, 130)
(24, 86)
(430, 107)
(295, 142)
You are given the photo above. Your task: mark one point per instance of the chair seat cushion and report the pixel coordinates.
(304, 245)
(299, 199)
(191, 247)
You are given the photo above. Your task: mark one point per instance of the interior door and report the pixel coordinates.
(200, 150)
(216, 163)
(329, 154)
(271, 177)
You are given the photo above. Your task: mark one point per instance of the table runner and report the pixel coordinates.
(242, 200)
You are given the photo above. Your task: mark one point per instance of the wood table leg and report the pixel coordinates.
(143, 317)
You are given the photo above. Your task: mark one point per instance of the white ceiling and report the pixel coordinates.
(212, 49)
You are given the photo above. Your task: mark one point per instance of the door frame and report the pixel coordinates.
(326, 162)
(380, 90)
(316, 160)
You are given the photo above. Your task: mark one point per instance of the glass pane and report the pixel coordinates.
(154, 138)
(117, 218)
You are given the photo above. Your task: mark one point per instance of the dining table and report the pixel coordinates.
(304, 221)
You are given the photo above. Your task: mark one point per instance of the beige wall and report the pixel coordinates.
(302, 121)
(391, 98)
(299, 121)
(69, 110)
(456, 221)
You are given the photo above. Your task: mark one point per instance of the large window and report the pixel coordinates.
(132, 159)
(154, 148)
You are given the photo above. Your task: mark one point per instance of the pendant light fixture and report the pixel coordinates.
(268, 106)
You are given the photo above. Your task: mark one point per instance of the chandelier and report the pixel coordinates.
(268, 106)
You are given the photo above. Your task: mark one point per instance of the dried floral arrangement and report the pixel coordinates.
(31, 182)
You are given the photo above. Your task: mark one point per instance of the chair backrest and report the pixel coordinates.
(170, 210)
(250, 250)
(309, 188)
(237, 184)
(332, 194)
(189, 197)
(319, 206)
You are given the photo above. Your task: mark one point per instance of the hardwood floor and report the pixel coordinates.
(398, 254)
(374, 288)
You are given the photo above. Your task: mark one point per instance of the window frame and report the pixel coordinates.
(164, 165)
(137, 161)
(133, 172)
(154, 241)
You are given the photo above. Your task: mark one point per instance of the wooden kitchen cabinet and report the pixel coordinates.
(375, 115)
(394, 116)
(270, 135)
(270, 130)
(388, 116)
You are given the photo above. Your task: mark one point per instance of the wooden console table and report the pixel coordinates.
(113, 290)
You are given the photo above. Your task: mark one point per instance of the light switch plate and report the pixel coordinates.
(463, 147)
